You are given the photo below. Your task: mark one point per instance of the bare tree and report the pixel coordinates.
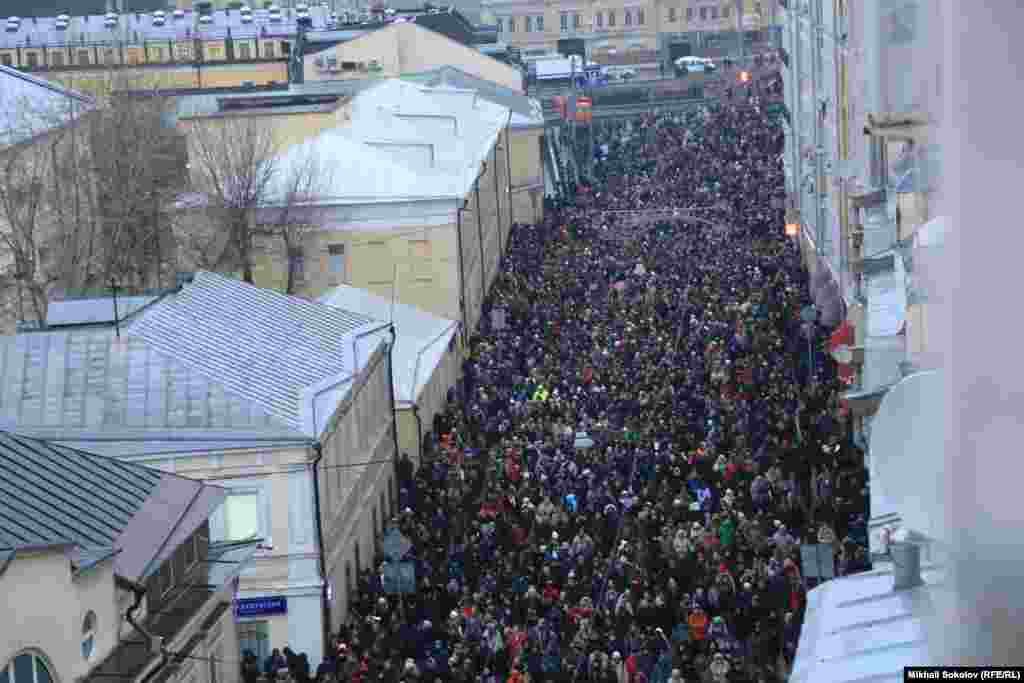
(290, 212)
(233, 163)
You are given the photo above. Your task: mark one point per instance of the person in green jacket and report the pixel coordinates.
(727, 532)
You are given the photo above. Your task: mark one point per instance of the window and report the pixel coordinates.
(32, 60)
(689, 14)
(726, 11)
(336, 263)
(577, 21)
(501, 25)
(189, 551)
(157, 54)
(26, 668)
(244, 51)
(183, 52)
(599, 19)
(611, 18)
(88, 634)
(165, 578)
(671, 13)
(57, 59)
(297, 261)
(286, 48)
(529, 24)
(511, 24)
(254, 636)
(109, 56)
(6, 60)
(215, 657)
(703, 13)
(214, 52)
(241, 515)
(627, 18)
(563, 22)
(640, 17)
(268, 50)
(540, 23)
(714, 12)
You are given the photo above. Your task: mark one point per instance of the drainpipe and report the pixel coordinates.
(462, 269)
(419, 433)
(318, 448)
(391, 385)
(153, 642)
(497, 202)
(480, 238)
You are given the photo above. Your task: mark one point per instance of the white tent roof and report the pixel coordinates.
(421, 338)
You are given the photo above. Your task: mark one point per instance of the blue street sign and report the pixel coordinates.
(251, 607)
(399, 577)
(395, 545)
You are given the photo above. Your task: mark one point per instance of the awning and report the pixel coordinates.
(887, 301)
(907, 454)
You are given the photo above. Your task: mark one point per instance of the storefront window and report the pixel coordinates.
(254, 637)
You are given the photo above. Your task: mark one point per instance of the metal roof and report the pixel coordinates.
(93, 311)
(269, 348)
(421, 338)
(406, 142)
(858, 629)
(51, 495)
(218, 361)
(30, 106)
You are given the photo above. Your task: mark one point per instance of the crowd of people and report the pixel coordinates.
(641, 440)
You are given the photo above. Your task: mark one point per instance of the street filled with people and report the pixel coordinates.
(645, 433)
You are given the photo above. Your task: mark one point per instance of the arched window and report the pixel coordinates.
(28, 667)
(88, 634)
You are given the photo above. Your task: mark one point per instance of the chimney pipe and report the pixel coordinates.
(906, 561)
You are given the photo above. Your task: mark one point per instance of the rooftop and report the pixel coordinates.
(217, 361)
(421, 338)
(51, 495)
(30, 106)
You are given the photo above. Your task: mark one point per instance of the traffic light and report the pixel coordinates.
(744, 77)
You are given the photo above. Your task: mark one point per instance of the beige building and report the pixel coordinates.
(405, 48)
(623, 31)
(410, 207)
(108, 570)
(284, 403)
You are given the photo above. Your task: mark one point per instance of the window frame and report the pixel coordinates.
(611, 18)
(563, 21)
(529, 23)
(689, 14)
(672, 14)
(38, 656)
(538, 23)
(219, 519)
(627, 17)
(577, 20)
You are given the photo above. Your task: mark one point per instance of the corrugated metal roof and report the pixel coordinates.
(50, 494)
(93, 311)
(268, 348)
(30, 106)
(421, 338)
(857, 629)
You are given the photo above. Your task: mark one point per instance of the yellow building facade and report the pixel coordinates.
(619, 30)
(404, 48)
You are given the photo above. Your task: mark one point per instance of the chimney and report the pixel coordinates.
(906, 565)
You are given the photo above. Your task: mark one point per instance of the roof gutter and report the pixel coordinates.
(394, 404)
(480, 234)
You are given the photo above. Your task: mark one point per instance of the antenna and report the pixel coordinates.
(394, 294)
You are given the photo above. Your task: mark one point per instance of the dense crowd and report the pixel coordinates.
(642, 439)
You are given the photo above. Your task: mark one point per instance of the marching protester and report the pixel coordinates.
(621, 483)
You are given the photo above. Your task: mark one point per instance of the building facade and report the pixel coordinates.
(99, 558)
(863, 167)
(299, 437)
(629, 31)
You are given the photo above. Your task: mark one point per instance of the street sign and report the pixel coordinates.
(251, 607)
(399, 578)
(818, 561)
(395, 545)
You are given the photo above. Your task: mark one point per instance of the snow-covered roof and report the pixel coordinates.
(30, 106)
(421, 338)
